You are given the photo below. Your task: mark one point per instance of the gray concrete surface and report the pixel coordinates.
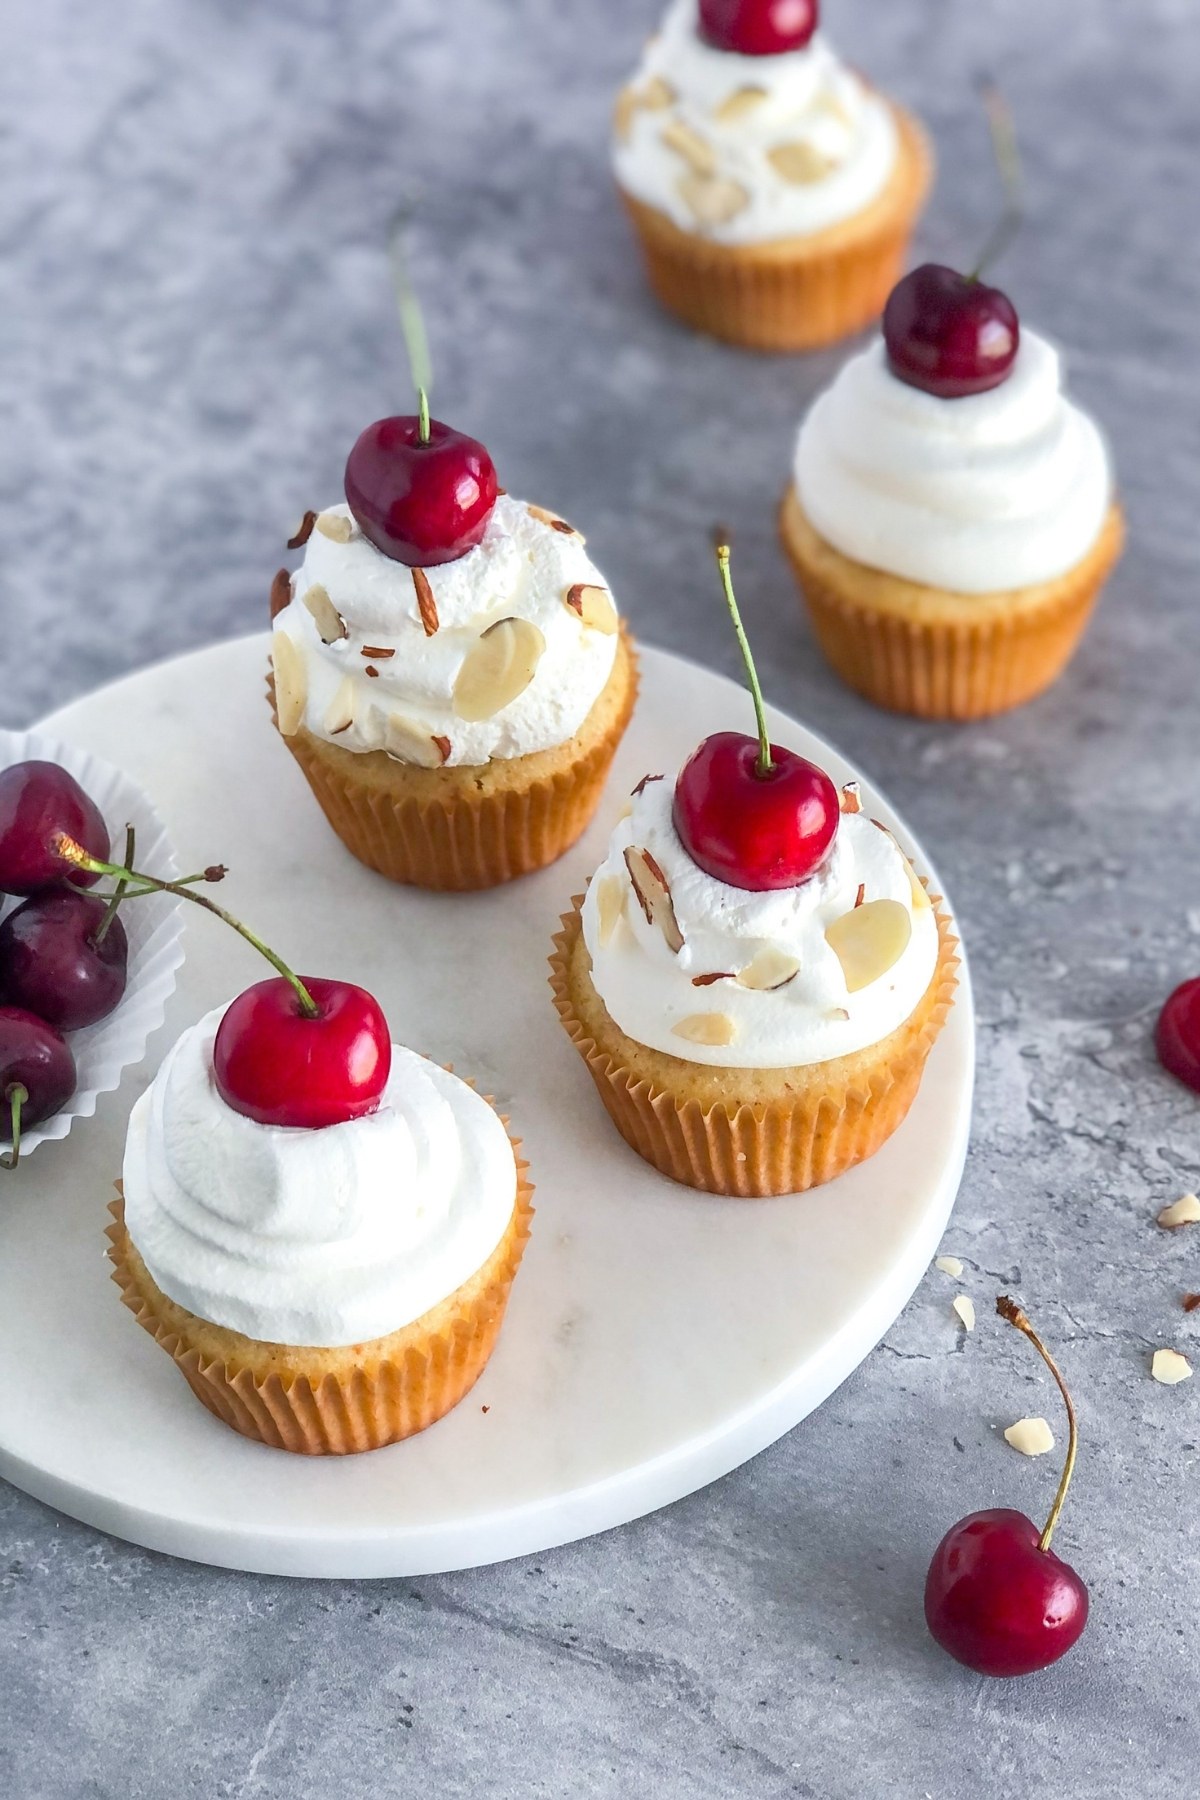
(196, 322)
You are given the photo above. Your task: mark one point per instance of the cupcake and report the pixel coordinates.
(951, 517)
(756, 974)
(329, 1269)
(772, 190)
(449, 669)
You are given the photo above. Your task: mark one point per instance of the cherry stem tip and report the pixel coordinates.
(765, 764)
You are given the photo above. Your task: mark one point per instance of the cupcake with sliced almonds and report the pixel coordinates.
(756, 974)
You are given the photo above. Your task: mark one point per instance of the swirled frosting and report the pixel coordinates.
(978, 495)
(314, 1237)
(651, 990)
(746, 149)
(386, 681)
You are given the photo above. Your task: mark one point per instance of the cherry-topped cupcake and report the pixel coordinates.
(772, 189)
(756, 974)
(450, 671)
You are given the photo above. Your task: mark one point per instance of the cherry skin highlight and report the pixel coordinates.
(275, 1064)
(758, 27)
(999, 1603)
(752, 830)
(35, 1057)
(52, 964)
(949, 335)
(38, 800)
(1177, 1034)
(422, 501)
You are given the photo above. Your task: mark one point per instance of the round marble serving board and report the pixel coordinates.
(656, 1338)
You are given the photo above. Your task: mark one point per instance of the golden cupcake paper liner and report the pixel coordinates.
(936, 654)
(794, 293)
(333, 1402)
(821, 1121)
(461, 827)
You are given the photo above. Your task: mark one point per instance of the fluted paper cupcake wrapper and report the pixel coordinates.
(793, 295)
(753, 1150)
(939, 668)
(390, 1388)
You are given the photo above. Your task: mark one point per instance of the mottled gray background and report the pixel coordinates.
(196, 322)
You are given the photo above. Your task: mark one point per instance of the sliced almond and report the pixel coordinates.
(920, 893)
(553, 521)
(740, 104)
(654, 895)
(378, 652)
(706, 1028)
(964, 1306)
(426, 604)
(497, 668)
(861, 895)
(1185, 1211)
(592, 605)
(712, 199)
(326, 617)
(335, 525)
(949, 1265)
(625, 812)
(869, 941)
(1169, 1367)
(610, 906)
(800, 163)
(851, 801)
(1032, 1437)
(302, 532)
(291, 683)
(281, 592)
(624, 113)
(656, 94)
(770, 969)
(696, 151)
(412, 743)
(715, 976)
(339, 714)
(644, 783)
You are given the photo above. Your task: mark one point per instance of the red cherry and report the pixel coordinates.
(421, 500)
(949, 334)
(997, 1601)
(1177, 1037)
(758, 27)
(54, 962)
(275, 1063)
(38, 800)
(37, 1074)
(754, 831)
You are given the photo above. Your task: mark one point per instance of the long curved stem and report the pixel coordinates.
(412, 324)
(1008, 161)
(1008, 1309)
(765, 764)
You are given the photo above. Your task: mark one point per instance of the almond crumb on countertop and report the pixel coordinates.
(949, 1265)
(964, 1306)
(1032, 1437)
(1169, 1367)
(1185, 1211)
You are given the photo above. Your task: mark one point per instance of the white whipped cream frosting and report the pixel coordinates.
(977, 495)
(321, 1237)
(803, 97)
(647, 989)
(522, 568)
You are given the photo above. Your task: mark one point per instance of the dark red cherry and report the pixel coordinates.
(274, 1063)
(37, 801)
(997, 1601)
(758, 27)
(54, 962)
(1177, 1035)
(421, 501)
(754, 830)
(948, 334)
(37, 1072)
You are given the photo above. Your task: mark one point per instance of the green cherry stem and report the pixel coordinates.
(16, 1095)
(765, 764)
(1008, 161)
(76, 854)
(118, 893)
(412, 324)
(423, 414)
(1008, 1309)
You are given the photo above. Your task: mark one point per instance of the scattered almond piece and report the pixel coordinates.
(328, 620)
(964, 1306)
(654, 895)
(713, 200)
(553, 521)
(800, 162)
(624, 113)
(1191, 1302)
(335, 525)
(696, 151)
(302, 532)
(592, 605)
(1185, 1211)
(949, 1265)
(339, 715)
(851, 801)
(869, 941)
(625, 812)
(426, 604)
(497, 668)
(706, 1028)
(1032, 1437)
(656, 94)
(769, 969)
(610, 906)
(737, 105)
(1169, 1367)
(644, 783)
(920, 893)
(281, 592)
(291, 683)
(411, 743)
(711, 979)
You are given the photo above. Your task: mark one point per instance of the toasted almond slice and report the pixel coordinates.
(654, 895)
(770, 969)
(1169, 1367)
(1185, 1211)
(920, 893)
(426, 604)
(851, 800)
(800, 163)
(696, 151)
(625, 812)
(497, 668)
(739, 104)
(714, 976)
(412, 743)
(610, 906)
(949, 1265)
(713, 200)
(335, 525)
(281, 592)
(339, 714)
(869, 941)
(326, 617)
(553, 521)
(303, 531)
(644, 783)
(291, 683)
(964, 1306)
(861, 895)
(1032, 1437)
(592, 605)
(624, 113)
(706, 1028)
(656, 94)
